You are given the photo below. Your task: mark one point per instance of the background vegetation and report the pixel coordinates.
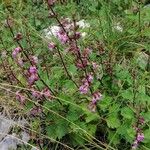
(77, 92)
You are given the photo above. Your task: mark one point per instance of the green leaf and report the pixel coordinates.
(76, 139)
(146, 136)
(61, 128)
(131, 134)
(105, 103)
(73, 114)
(57, 129)
(143, 98)
(112, 136)
(51, 131)
(127, 94)
(127, 113)
(72, 69)
(146, 116)
(91, 117)
(113, 121)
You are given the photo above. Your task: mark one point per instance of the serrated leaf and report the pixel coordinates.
(146, 136)
(91, 117)
(127, 94)
(131, 134)
(146, 116)
(105, 103)
(113, 121)
(127, 113)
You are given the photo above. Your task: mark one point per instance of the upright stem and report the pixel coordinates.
(66, 68)
(31, 63)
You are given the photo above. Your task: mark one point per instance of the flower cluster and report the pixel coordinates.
(18, 36)
(15, 52)
(16, 56)
(97, 96)
(82, 61)
(139, 138)
(44, 93)
(34, 60)
(62, 36)
(68, 35)
(20, 97)
(51, 2)
(33, 76)
(86, 83)
(139, 135)
(35, 111)
(51, 46)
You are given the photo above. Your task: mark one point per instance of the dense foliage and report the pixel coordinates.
(84, 86)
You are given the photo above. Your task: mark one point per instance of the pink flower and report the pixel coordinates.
(51, 45)
(36, 94)
(77, 35)
(51, 2)
(16, 52)
(46, 92)
(18, 36)
(32, 79)
(141, 120)
(73, 48)
(92, 107)
(82, 64)
(20, 97)
(96, 96)
(135, 144)
(36, 110)
(86, 52)
(20, 62)
(140, 137)
(86, 83)
(84, 88)
(32, 70)
(89, 78)
(62, 37)
(34, 59)
(95, 66)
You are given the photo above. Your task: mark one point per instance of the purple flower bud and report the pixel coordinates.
(95, 66)
(34, 59)
(82, 64)
(15, 52)
(32, 79)
(32, 70)
(141, 120)
(36, 94)
(51, 45)
(20, 62)
(140, 137)
(96, 96)
(18, 36)
(92, 107)
(20, 98)
(62, 37)
(36, 110)
(77, 35)
(84, 88)
(46, 92)
(51, 2)
(135, 144)
(90, 78)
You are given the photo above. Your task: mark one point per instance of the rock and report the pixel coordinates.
(9, 142)
(53, 30)
(5, 126)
